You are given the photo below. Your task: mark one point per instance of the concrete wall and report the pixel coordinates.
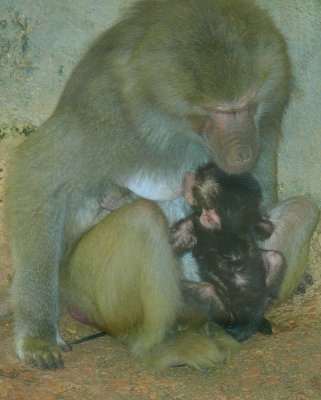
(300, 153)
(40, 41)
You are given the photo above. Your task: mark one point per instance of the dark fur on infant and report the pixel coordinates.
(239, 280)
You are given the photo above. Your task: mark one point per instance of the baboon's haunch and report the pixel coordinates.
(135, 293)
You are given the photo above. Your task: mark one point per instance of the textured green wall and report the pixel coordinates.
(300, 153)
(40, 41)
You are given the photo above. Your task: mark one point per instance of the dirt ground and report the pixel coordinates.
(284, 366)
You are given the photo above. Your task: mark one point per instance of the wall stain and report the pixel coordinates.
(15, 54)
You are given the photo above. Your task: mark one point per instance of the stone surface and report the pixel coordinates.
(300, 151)
(40, 42)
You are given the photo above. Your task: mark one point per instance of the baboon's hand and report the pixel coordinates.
(42, 352)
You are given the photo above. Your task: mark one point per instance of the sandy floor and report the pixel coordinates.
(286, 365)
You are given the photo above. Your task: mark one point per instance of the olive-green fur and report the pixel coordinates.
(133, 291)
(125, 123)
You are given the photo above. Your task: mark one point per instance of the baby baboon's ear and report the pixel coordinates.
(210, 219)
